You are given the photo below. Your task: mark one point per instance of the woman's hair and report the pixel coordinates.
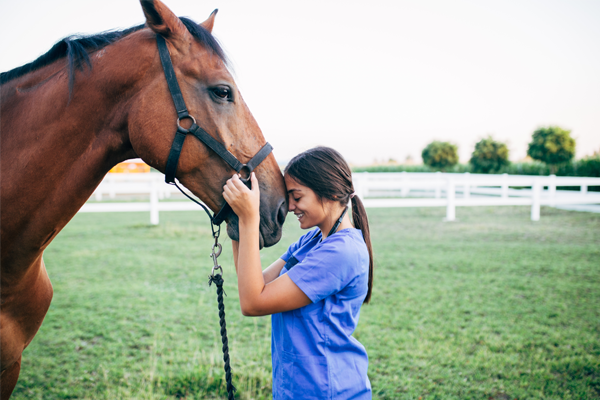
(325, 172)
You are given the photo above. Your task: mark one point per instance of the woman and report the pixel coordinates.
(315, 290)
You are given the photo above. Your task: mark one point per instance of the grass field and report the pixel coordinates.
(492, 306)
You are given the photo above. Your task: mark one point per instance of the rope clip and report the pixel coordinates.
(214, 256)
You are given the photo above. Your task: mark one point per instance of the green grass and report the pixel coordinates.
(492, 306)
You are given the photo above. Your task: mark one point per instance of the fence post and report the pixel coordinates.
(552, 190)
(438, 185)
(536, 189)
(405, 187)
(584, 190)
(450, 195)
(153, 202)
(112, 190)
(467, 187)
(359, 182)
(504, 185)
(98, 192)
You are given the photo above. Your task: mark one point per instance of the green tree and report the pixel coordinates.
(553, 146)
(440, 155)
(489, 156)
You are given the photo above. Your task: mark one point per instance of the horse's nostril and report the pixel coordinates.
(282, 212)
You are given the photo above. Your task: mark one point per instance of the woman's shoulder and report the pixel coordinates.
(348, 243)
(346, 237)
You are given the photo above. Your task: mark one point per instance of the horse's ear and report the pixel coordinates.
(210, 21)
(162, 20)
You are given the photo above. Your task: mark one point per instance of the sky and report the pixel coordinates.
(377, 80)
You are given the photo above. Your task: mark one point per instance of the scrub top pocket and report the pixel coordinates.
(307, 376)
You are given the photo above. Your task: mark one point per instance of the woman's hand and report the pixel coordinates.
(244, 202)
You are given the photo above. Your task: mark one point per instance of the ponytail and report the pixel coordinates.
(359, 217)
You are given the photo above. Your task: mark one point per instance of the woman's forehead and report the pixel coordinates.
(292, 185)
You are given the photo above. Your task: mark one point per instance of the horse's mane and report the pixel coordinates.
(77, 48)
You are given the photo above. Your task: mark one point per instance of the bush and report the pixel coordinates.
(440, 155)
(553, 146)
(589, 166)
(489, 156)
(458, 168)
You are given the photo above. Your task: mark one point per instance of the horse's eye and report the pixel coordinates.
(222, 92)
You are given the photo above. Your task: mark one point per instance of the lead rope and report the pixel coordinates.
(217, 278)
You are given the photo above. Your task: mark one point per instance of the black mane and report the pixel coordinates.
(77, 48)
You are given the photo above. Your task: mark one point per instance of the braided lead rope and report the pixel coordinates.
(218, 280)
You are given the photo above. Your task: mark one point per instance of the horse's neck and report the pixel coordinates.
(55, 150)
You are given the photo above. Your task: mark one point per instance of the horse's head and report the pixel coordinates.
(214, 100)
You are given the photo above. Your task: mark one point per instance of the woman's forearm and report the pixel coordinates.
(235, 246)
(250, 276)
(272, 271)
(269, 274)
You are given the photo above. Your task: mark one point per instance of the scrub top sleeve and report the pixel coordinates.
(326, 270)
(295, 246)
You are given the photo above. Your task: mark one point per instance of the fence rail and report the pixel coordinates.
(379, 190)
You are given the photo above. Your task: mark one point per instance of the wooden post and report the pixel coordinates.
(112, 190)
(504, 185)
(467, 187)
(98, 192)
(405, 188)
(359, 181)
(450, 196)
(153, 202)
(536, 190)
(552, 190)
(438, 184)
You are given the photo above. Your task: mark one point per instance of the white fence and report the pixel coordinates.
(380, 190)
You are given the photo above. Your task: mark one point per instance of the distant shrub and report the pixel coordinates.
(489, 156)
(553, 146)
(589, 166)
(458, 168)
(440, 155)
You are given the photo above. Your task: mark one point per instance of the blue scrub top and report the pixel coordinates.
(314, 353)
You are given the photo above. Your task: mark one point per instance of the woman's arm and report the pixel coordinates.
(256, 296)
(269, 274)
(272, 271)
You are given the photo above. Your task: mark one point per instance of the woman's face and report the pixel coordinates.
(305, 204)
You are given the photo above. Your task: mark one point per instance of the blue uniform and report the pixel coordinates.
(314, 353)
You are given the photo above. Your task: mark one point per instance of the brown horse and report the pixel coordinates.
(88, 104)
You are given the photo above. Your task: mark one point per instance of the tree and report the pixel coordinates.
(489, 156)
(440, 155)
(553, 146)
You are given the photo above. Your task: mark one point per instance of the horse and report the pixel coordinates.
(89, 103)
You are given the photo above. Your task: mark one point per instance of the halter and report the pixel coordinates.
(200, 134)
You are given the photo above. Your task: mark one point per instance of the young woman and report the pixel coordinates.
(315, 290)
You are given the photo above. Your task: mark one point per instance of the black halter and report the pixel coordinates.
(200, 134)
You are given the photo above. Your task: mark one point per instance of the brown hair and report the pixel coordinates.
(325, 172)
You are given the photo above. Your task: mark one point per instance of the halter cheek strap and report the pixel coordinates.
(200, 134)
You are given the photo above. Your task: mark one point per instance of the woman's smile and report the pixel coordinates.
(305, 204)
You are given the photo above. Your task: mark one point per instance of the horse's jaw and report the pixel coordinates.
(233, 230)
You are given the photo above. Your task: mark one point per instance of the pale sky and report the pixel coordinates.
(376, 79)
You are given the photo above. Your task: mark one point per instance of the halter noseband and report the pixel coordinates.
(200, 134)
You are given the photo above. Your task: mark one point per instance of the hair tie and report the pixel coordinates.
(352, 195)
